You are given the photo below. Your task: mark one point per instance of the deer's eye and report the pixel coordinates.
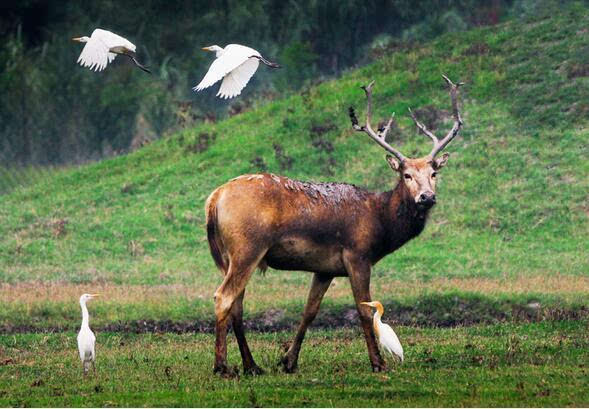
(407, 176)
(434, 174)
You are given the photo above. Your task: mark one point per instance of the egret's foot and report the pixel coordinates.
(288, 365)
(225, 371)
(253, 370)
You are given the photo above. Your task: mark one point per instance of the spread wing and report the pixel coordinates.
(96, 55)
(232, 57)
(237, 79)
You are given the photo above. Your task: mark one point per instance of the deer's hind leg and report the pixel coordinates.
(238, 274)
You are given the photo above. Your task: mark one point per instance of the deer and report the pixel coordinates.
(329, 229)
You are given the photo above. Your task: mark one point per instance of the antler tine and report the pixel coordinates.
(423, 128)
(387, 127)
(457, 119)
(378, 137)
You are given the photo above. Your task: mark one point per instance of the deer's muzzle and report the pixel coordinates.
(426, 200)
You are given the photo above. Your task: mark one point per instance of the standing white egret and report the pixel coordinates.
(235, 64)
(86, 338)
(386, 336)
(102, 47)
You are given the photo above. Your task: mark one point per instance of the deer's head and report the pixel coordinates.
(417, 175)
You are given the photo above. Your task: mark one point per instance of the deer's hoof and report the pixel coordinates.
(253, 370)
(226, 372)
(288, 365)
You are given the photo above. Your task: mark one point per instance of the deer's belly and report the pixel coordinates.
(296, 253)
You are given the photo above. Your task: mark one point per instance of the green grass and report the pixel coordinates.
(505, 365)
(512, 199)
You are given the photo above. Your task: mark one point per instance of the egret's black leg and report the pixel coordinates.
(137, 63)
(265, 61)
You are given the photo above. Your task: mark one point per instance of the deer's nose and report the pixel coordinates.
(427, 199)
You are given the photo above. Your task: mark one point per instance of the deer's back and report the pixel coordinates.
(304, 226)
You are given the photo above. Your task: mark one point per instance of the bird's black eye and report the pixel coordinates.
(407, 176)
(434, 174)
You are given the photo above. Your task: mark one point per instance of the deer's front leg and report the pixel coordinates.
(358, 270)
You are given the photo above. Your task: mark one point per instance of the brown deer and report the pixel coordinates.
(329, 229)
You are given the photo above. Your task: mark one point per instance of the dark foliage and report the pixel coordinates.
(53, 111)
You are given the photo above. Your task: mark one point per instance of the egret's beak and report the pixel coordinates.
(94, 295)
(76, 38)
(366, 303)
(206, 48)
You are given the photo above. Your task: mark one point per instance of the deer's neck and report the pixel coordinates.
(401, 218)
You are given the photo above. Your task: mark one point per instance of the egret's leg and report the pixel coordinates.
(94, 367)
(358, 271)
(319, 286)
(238, 274)
(85, 365)
(249, 365)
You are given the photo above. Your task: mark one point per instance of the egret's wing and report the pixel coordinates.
(94, 55)
(80, 347)
(237, 79)
(112, 40)
(238, 48)
(93, 343)
(390, 341)
(230, 60)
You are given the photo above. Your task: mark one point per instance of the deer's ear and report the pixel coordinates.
(442, 160)
(393, 163)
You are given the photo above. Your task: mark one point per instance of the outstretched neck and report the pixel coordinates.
(85, 315)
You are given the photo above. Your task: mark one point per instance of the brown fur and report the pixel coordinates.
(330, 229)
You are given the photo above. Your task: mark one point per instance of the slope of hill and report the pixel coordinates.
(513, 204)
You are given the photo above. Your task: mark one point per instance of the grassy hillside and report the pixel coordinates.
(513, 207)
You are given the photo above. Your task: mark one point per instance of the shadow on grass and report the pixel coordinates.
(431, 310)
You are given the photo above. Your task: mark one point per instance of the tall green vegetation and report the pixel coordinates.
(53, 111)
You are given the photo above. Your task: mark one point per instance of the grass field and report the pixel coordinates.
(497, 365)
(490, 300)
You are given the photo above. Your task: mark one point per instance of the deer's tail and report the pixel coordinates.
(215, 243)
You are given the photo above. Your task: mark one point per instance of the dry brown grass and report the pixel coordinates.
(268, 290)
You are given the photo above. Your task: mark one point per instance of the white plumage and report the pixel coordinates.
(385, 334)
(102, 47)
(86, 338)
(235, 64)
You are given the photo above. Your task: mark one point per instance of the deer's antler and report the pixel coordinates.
(439, 145)
(380, 136)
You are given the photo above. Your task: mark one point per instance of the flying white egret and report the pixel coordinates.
(235, 64)
(102, 47)
(86, 338)
(386, 336)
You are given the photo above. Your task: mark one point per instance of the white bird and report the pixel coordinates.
(235, 64)
(102, 47)
(86, 338)
(386, 336)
